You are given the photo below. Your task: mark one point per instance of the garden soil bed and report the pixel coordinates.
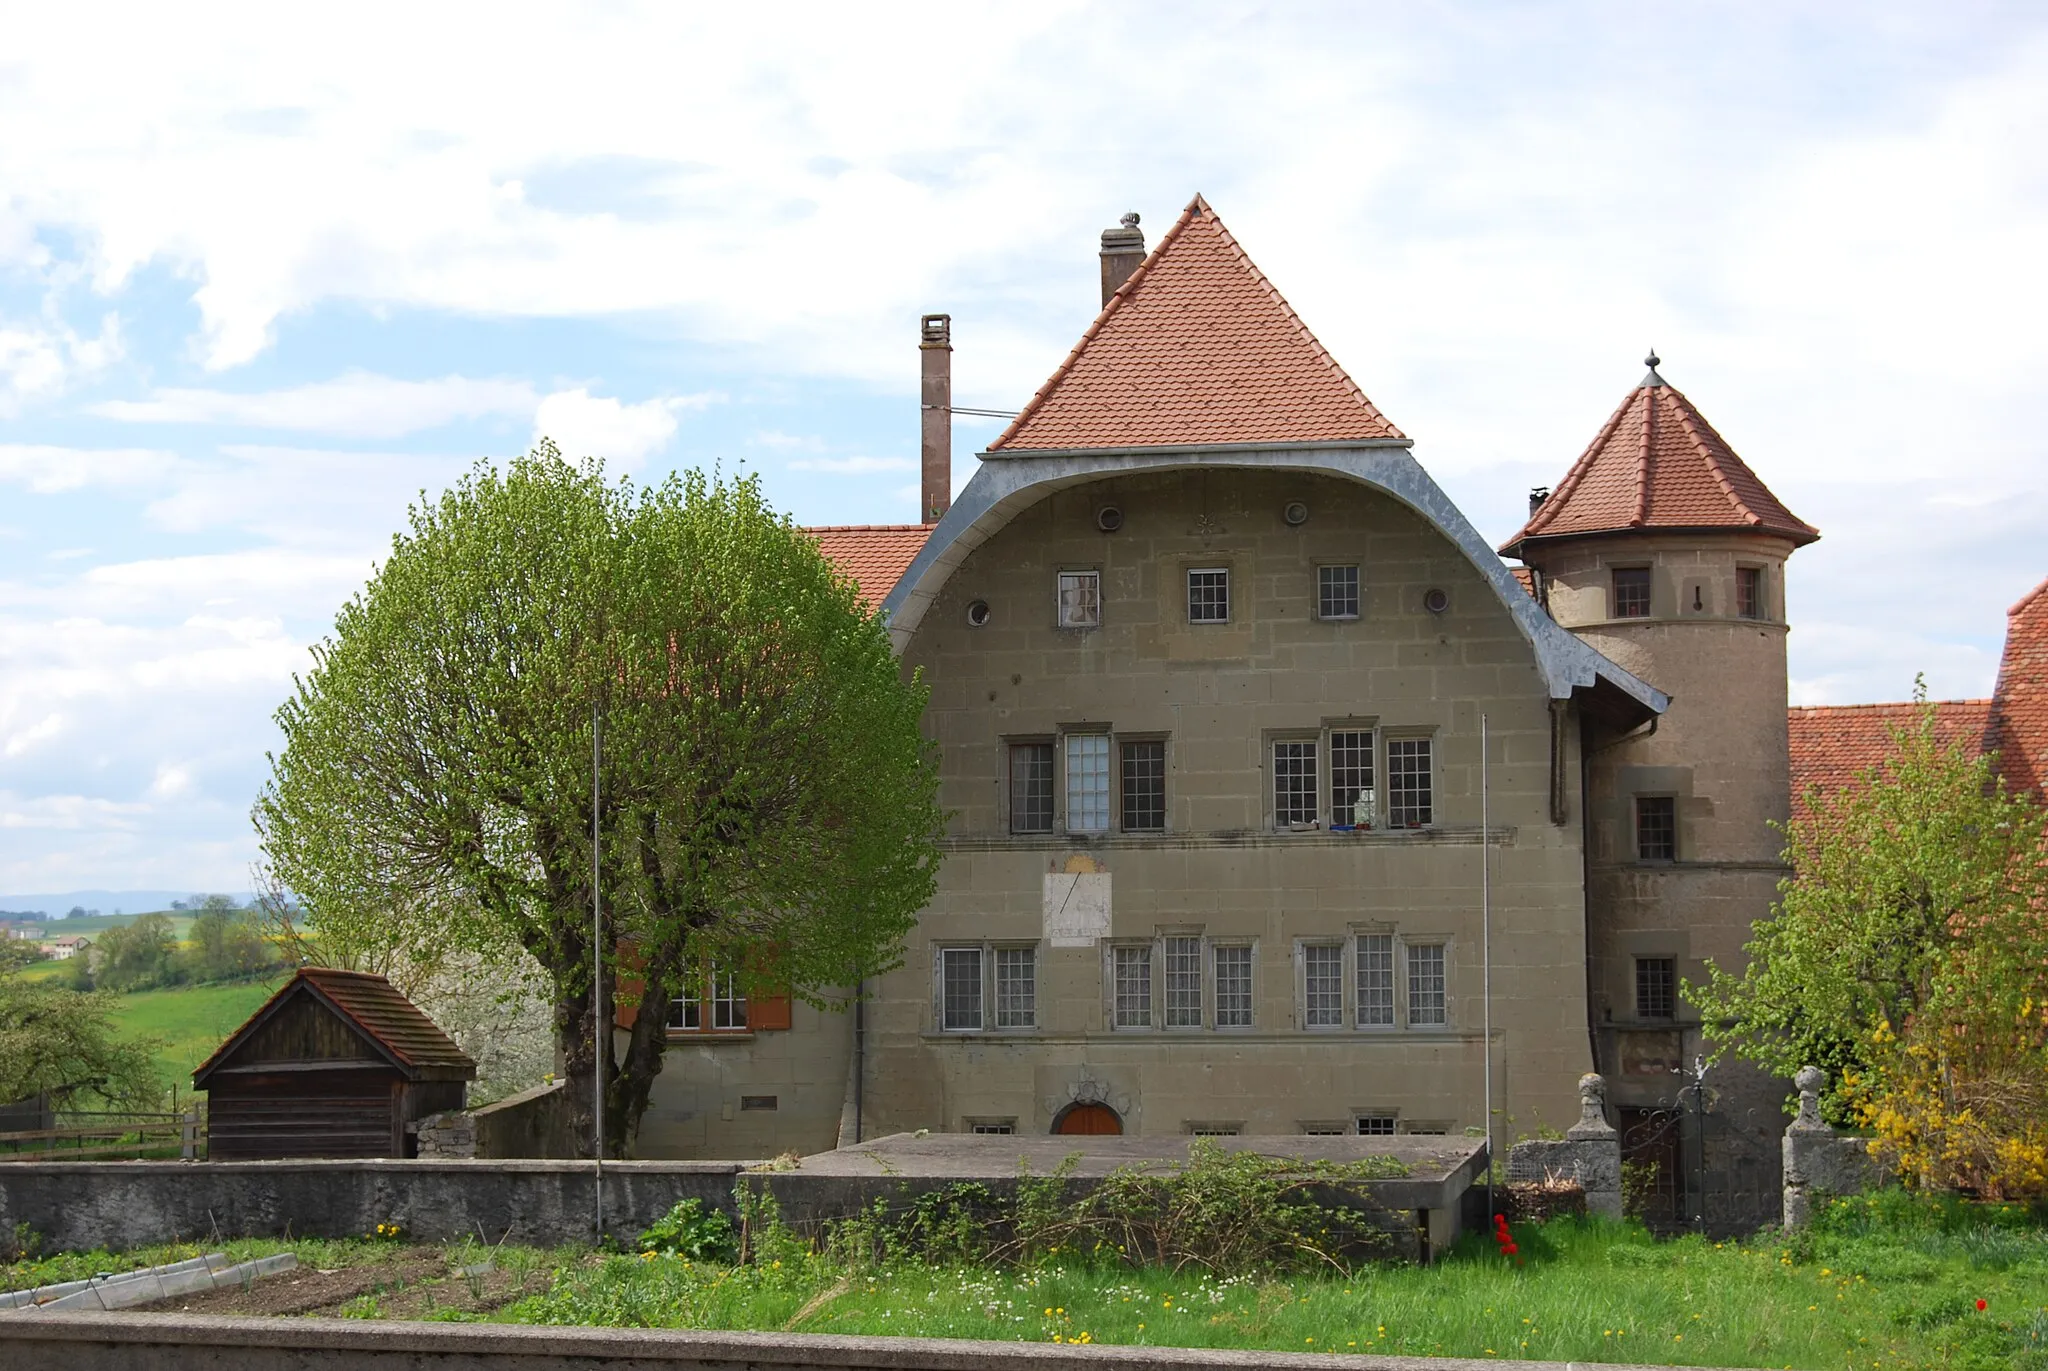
(410, 1286)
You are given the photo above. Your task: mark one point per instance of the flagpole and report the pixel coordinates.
(1486, 951)
(597, 1023)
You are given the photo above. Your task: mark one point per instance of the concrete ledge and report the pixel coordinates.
(77, 1206)
(187, 1342)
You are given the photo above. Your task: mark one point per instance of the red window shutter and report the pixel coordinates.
(627, 987)
(769, 1013)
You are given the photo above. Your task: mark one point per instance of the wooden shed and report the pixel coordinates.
(335, 1064)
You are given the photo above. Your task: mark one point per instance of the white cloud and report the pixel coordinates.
(41, 360)
(584, 425)
(855, 466)
(47, 470)
(356, 404)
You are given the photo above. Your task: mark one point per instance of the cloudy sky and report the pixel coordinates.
(267, 273)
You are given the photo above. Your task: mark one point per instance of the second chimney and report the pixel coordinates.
(1122, 250)
(935, 352)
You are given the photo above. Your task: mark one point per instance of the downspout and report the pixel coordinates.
(1586, 862)
(860, 1055)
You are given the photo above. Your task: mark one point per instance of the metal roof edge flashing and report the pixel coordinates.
(998, 491)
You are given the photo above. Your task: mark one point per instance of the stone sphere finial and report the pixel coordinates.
(1592, 1086)
(1811, 1080)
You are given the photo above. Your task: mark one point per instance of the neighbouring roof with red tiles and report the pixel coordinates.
(375, 1007)
(2018, 727)
(1834, 745)
(1196, 347)
(1658, 464)
(1525, 577)
(875, 555)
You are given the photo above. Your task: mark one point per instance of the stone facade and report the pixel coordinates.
(1721, 755)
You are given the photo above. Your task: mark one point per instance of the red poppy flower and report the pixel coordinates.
(1981, 1306)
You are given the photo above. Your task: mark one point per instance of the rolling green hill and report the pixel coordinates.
(192, 1020)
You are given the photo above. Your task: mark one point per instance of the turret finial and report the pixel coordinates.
(1653, 379)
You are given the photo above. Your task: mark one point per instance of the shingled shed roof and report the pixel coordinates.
(875, 555)
(374, 1008)
(1196, 347)
(2018, 727)
(1658, 464)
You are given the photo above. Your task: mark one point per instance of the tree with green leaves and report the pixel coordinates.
(1908, 957)
(62, 1043)
(766, 802)
(137, 956)
(226, 942)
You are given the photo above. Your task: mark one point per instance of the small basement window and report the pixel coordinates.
(993, 1127)
(757, 1102)
(1376, 1125)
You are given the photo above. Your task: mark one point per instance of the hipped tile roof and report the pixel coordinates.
(1658, 464)
(1834, 745)
(2018, 727)
(875, 555)
(1196, 347)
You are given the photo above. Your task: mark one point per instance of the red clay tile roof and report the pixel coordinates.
(2018, 727)
(1525, 577)
(1834, 745)
(1658, 464)
(875, 555)
(374, 1006)
(1195, 347)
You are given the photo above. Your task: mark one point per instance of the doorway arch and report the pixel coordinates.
(1091, 1119)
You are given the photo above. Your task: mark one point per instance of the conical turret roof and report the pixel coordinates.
(1658, 465)
(1196, 347)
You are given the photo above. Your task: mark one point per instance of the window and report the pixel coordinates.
(1409, 803)
(1209, 595)
(1337, 592)
(1749, 592)
(1376, 1125)
(1324, 1130)
(1322, 985)
(960, 988)
(1133, 986)
(1656, 988)
(994, 1128)
(1087, 782)
(1351, 789)
(1426, 984)
(1375, 980)
(1294, 782)
(758, 1102)
(1215, 1130)
(1631, 592)
(1080, 599)
(1233, 987)
(1144, 786)
(1016, 987)
(1656, 828)
(1031, 787)
(728, 1000)
(718, 990)
(1183, 982)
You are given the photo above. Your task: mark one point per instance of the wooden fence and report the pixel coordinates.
(101, 1135)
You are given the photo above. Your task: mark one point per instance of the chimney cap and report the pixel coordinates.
(935, 330)
(1130, 219)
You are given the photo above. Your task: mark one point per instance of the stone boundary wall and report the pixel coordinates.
(77, 1206)
(533, 1124)
(1820, 1162)
(1589, 1154)
(180, 1342)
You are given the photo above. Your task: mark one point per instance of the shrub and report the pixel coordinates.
(693, 1232)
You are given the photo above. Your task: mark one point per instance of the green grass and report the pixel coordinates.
(192, 1020)
(44, 971)
(1584, 1292)
(1886, 1282)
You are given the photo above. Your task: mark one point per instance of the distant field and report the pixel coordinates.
(44, 971)
(192, 1020)
(94, 925)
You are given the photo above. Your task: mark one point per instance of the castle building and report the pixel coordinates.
(1280, 803)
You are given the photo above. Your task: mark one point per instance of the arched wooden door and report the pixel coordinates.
(1095, 1119)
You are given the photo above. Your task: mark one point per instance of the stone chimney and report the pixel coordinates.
(935, 348)
(1122, 249)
